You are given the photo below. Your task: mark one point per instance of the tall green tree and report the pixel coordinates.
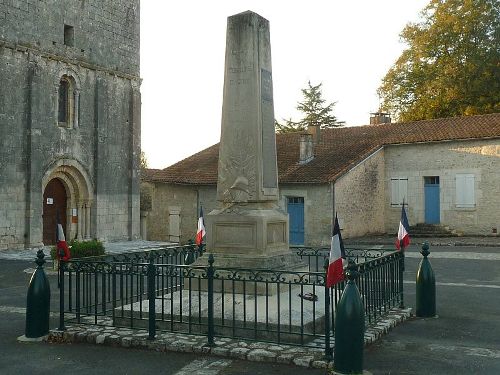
(315, 111)
(452, 64)
(144, 161)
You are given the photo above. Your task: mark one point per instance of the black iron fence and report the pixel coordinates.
(161, 290)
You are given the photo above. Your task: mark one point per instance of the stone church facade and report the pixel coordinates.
(69, 120)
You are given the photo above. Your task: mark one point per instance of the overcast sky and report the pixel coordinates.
(346, 45)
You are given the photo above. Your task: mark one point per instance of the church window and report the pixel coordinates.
(63, 101)
(67, 102)
(69, 35)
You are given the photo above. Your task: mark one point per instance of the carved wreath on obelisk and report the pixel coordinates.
(238, 171)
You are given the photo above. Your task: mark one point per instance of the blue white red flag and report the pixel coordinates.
(403, 231)
(335, 271)
(61, 245)
(200, 233)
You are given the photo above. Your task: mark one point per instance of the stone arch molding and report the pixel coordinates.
(79, 188)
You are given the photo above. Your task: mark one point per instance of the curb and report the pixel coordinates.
(224, 347)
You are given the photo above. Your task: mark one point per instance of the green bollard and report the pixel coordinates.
(426, 286)
(38, 301)
(349, 328)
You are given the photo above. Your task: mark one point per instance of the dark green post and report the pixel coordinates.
(201, 248)
(152, 298)
(210, 276)
(189, 258)
(328, 348)
(61, 294)
(349, 327)
(38, 301)
(401, 278)
(426, 286)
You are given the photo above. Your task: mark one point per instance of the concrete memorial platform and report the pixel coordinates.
(285, 311)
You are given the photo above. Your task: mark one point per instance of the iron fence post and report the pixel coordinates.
(426, 286)
(61, 294)
(201, 249)
(151, 272)
(328, 349)
(210, 276)
(401, 271)
(189, 257)
(38, 301)
(349, 327)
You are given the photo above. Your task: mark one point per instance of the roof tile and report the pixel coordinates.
(338, 150)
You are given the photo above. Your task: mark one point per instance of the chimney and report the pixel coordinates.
(377, 118)
(306, 148)
(315, 131)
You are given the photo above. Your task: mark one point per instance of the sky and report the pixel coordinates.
(348, 46)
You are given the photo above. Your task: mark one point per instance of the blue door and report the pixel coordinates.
(431, 191)
(295, 210)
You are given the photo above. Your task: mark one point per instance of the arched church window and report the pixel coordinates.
(67, 109)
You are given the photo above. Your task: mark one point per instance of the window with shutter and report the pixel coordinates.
(465, 194)
(399, 191)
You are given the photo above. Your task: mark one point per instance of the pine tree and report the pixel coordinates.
(316, 113)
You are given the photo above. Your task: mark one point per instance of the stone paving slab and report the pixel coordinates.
(224, 347)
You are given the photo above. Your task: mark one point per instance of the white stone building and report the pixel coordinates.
(447, 171)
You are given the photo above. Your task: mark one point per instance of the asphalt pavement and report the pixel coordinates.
(462, 339)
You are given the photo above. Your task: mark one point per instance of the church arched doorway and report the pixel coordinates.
(54, 204)
(71, 180)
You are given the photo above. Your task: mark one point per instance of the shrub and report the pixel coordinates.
(82, 249)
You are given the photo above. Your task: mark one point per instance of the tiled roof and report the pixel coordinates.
(338, 151)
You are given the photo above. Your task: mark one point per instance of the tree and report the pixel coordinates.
(143, 161)
(452, 64)
(315, 112)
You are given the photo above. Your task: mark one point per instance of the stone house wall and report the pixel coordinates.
(359, 197)
(175, 209)
(445, 160)
(362, 196)
(317, 210)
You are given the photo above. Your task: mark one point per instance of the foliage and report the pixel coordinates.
(144, 161)
(82, 249)
(316, 113)
(452, 64)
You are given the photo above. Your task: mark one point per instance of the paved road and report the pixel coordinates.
(53, 359)
(464, 339)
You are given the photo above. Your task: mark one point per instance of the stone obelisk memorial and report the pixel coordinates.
(248, 229)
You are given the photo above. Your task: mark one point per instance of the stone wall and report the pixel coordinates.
(317, 210)
(359, 198)
(175, 210)
(186, 200)
(445, 159)
(97, 157)
(106, 32)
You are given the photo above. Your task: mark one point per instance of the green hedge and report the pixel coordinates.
(82, 249)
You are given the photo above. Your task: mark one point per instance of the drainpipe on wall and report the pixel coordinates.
(332, 184)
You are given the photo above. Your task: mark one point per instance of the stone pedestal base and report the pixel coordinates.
(249, 236)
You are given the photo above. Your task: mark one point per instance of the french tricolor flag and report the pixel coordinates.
(61, 245)
(200, 233)
(335, 271)
(403, 231)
